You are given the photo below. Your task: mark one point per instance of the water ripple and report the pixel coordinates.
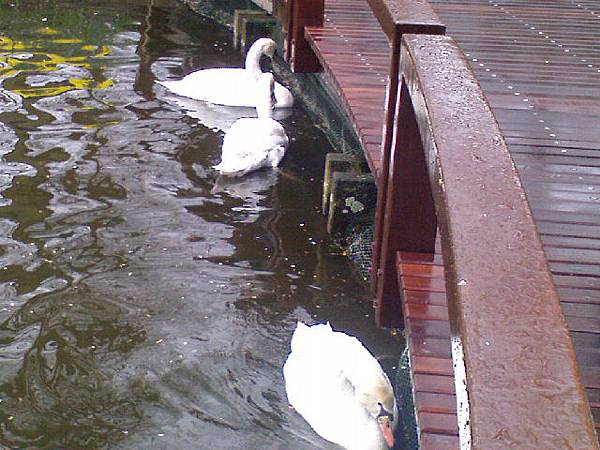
(144, 303)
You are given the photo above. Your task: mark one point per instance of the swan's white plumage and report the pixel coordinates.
(232, 86)
(253, 143)
(333, 381)
(250, 144)
(218, 117)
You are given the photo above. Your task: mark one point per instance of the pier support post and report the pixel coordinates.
(406, 16)
(409, 222)
(282, 11)
(238, 16)
(304, 13)
(335, 162)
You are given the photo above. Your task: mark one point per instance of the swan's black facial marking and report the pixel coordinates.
(266, 63)
(384, 413)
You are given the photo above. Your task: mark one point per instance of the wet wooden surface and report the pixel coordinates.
(503, 305)
(539, 66)
(427, 330)
(355, 53)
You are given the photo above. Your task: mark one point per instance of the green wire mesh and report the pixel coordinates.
(406, 433)
(359, 248)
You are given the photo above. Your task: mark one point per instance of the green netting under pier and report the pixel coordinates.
(406, 433)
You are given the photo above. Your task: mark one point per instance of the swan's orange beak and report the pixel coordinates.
(386, 429)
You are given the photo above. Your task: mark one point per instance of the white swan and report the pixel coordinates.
(232, 87)
(333, 381)
(217, 117)
(253, 143)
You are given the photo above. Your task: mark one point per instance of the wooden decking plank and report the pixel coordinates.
(436, 403)
(591, 377)
(594, 397)
(434, 383)
(579, 309)
(426, 312)
(434, 328)
(426, 297)
(355, 54)
(584, 324)
(433, 259)
(434, 441)
(579, 295)
(421, 281)
(422, 345)
(438, 423)
(424, 284)
(432, 365)
(421, 270)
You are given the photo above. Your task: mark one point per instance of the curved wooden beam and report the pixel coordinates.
(522, 381)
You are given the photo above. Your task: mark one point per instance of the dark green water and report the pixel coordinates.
(139, 308)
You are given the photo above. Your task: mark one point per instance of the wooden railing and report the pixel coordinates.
(447, 168)
(294, 15)
(396, 18)
(522, 387)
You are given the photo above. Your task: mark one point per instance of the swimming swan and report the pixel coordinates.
(232, 87)
(217, 117)
(339, 388)
(253, 143)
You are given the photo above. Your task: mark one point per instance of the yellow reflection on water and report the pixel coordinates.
(21, 58)
(47, 30)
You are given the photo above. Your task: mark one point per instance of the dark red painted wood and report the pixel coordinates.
(427, 333)
(488, 235)
(305, 13)
(435, 403)
(537, 63)
(437, 423)
(438, 442)
(396, 18)
(354, 54)
(409, 222)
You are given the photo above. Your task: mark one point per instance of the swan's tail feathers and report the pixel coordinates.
(277, 154)
(228, 170)
(173, 86)
(317, 327)
(300, 324)
(307, 336)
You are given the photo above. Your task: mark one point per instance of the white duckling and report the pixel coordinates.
(340, 389)
(232, 86)
(253, 143)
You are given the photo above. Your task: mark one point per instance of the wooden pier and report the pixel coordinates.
(485, 140)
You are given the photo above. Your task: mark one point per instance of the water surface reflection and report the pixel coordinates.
(143, 302)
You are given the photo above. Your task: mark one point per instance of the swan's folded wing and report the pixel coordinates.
(244, 149)
(230, 87)
(283, 96)
(317, 388)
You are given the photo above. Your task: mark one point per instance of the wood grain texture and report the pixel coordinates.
(538, 64)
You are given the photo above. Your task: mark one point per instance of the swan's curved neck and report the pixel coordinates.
(264, 111)
(252, 63)
(265, 99)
